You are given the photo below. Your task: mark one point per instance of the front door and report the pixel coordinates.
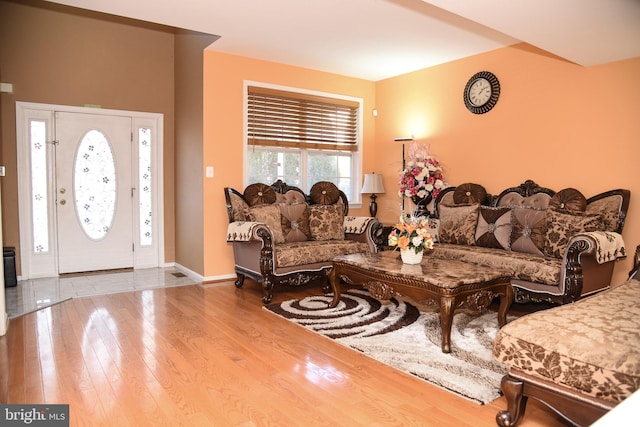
(93, 192)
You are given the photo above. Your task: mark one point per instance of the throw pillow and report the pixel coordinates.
(469, 193)
(528, 230)
(458, 224)
(324, 193)
(561, 227)
(326, 222)
(568, 200)
(609, 207)
(269, 215)
(494, 228)
(295, 222)
(259, 194)
(238, 207)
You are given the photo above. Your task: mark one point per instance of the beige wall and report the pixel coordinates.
(557, 123)
(189, 171)
(60, 55)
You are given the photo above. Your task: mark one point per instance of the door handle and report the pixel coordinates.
(63, 190)
(63, 202)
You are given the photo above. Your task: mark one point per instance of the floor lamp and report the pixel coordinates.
(373, 184)
(403, 140)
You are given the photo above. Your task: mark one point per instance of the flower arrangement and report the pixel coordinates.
(411, 232)
(422, 177)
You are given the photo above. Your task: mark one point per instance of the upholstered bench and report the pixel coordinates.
(581, 359)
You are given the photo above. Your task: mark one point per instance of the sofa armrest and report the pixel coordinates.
(364, 229)
(608, 245)
(589, 261)
(244, 231)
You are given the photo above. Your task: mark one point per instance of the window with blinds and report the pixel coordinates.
(278, 118)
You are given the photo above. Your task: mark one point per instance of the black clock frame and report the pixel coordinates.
(493, 99)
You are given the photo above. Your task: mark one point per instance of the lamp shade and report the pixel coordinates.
(373, 184)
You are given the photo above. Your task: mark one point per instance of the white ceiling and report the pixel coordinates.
(377, 39)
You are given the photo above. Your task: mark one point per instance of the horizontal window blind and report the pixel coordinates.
(286, 119)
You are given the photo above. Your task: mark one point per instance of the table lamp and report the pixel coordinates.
(373, 184)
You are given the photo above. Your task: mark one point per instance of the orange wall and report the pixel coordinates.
(223, 139)
(557, 123)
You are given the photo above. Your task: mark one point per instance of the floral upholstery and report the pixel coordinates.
(310, 252)
(591, 346)
(521, 265)
(458, 224)
(326, 222)
(561, 227)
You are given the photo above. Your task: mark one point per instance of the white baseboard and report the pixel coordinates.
(200, 278)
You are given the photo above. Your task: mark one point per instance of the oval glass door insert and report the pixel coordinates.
(94, 184)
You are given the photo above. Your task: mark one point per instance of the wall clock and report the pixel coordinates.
(481, 92)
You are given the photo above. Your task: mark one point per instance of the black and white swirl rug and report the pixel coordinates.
(406, 336)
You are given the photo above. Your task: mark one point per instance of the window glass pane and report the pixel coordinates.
(39, 193)
(144, 184)
(267, 166)
(94, 185)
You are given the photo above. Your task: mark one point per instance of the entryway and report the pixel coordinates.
(90, 189)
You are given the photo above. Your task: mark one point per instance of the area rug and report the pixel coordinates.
(406, 336)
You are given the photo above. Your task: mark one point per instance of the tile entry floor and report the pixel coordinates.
(34, 294)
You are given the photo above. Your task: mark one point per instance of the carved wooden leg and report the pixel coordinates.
(516, 402)
(267, 291)
(505, 304)
(446, 319)
(239, 280)
(334, 281)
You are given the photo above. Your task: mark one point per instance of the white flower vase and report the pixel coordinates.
(409, 256)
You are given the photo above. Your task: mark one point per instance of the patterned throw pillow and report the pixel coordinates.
(295, 222)
(326, 222)
(458, 224)
(562, 226)
(238, 207)
(494, 228)
(528, 230)
(609, 208)
(269, 215)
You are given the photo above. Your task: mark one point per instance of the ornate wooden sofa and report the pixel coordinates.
(281, 236)
(559, 246)
(579, 359)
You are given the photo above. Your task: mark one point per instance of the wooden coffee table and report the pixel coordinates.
(448, 283)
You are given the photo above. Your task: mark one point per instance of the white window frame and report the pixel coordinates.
(355, 199)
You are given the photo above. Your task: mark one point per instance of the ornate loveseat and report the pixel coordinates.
(281, 236)
(558, 246)
(580, 359)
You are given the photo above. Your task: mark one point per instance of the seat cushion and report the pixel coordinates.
(591, 346)
(520, 265)
(301, 253)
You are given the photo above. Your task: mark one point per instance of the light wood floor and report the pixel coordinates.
(209, 355)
